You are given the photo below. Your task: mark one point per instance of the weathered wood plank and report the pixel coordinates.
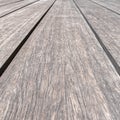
(105, 23)
(61, 72)
(5, 2)
(8, 9)
(16, 26)
(113, 5)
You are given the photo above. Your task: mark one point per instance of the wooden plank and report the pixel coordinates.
(113, 5)
(15, 27)
(106, 24)
(5, 2)
(61, 73)
(8, 9)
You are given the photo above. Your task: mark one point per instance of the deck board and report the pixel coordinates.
(16, 26)
(10, 8)
(113, 5)
(61, 72)
(106, 24)
(6, 2)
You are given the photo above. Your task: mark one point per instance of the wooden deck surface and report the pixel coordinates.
(59, 60)
(6, 2)
(112, 5)
(10, 8)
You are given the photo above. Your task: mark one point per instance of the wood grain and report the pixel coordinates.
(106, 24)
(61, 73)
(6, 2)
(16, 26)
(112, 5)
(10, 8)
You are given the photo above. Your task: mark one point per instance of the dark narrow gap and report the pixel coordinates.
(105, 7)
(9, 60)
(10, 3)
(111, 58)
(19, 8)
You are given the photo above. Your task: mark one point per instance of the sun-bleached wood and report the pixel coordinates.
(6, 2)
(10, 8)
(61, 73)
(17, 25)
(105, 23)
(109, 4)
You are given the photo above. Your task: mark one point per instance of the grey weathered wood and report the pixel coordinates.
(61, 73)
(105, 23)
(16, 26)
(3, 2)
(7, 3)
(109, 4)
(10, 8)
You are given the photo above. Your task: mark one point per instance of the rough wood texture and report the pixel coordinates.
(105, 23)
(113, 5)
(10, 8)
(15, 27)
(61, 73)
(6, 2)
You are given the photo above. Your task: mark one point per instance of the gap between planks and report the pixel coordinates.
(9, 60)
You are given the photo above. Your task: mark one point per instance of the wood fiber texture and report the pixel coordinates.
(112, 5)
(105, 23)
(17, 25)
(61, 72)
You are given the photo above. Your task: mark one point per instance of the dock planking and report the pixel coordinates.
(112, 5)
(15, 27)
(106, 24)
(6, 2)
(8, 9)
(61, 72)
